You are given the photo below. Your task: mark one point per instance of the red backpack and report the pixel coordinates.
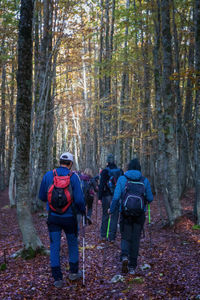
(60, 193)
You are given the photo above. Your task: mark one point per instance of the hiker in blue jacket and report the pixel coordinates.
(130, 227)
(66, 221)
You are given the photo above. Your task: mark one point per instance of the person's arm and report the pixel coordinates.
(78, 194)
(103, 182)
(95, 185)
(117, 195)
(44, 186)
(148, 192)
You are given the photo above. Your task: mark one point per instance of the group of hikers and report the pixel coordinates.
(70, 195)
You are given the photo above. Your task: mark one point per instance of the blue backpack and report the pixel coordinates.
(133, 198)
(113, 177)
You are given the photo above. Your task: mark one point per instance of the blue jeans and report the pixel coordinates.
(113, 222)
(55, 226)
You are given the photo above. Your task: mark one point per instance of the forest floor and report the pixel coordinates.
(174, 261)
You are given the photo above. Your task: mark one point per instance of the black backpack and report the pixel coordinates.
(133, 198)
(113, 174)
(87, 188)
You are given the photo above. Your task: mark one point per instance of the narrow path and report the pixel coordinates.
(174, 262)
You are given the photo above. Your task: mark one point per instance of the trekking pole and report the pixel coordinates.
(104, 253)
(83, 250)
(149, 215)
(108, 228)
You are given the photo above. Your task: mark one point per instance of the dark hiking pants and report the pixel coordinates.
(130, 238)
(113, 222)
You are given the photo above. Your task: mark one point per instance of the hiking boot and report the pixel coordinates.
(88, 220)
(75, 276)
(58, 283)
(132, 271)
(125, 264)
(112, 242)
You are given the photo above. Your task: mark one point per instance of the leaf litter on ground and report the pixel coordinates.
(173, 259)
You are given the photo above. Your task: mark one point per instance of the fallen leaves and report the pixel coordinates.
(168, 270)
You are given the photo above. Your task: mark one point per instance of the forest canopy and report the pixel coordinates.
(105, 76)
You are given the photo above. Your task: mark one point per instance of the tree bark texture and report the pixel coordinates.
(3, 129)
(172, 193)
(197, 109)
(23, 121)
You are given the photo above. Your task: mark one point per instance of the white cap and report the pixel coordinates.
(67, 156)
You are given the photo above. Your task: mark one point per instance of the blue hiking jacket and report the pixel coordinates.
(121, 182)
(78, 197)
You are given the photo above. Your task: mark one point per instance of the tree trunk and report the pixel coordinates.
(179, 127)
(23, 121)
(87, 103)
(42, 114)
(188, 127)
(197, 110)
(124, 96)
(11, 117)
(146, 102)
(172, 193)
(3, 129)
(101, 83)
(12, 180)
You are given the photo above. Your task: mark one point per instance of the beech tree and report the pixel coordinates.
(23, 121)
(171, 193)
(109, 76)
(197, 110)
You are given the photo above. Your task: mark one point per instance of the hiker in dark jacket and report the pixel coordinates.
(105, 197)
(66, 221)
(130, 227)
(89, 187)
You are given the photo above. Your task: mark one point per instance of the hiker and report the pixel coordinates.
(108, 180)
(90, 187)
(63, 218)
(131, 187)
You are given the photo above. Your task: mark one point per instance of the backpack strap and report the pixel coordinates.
(141, 180)
(54, 173)
(70, 173)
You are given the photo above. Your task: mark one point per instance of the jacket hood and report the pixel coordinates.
(133, 174)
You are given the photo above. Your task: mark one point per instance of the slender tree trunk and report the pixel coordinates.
(101, 83)
(197, 111)
(3, 129)
(146, 111)
(124, 96)
(179, 127)
(87, 110)
(12, 181)
(11, 118)
(23, 121)
(158, 143)
(188, 127)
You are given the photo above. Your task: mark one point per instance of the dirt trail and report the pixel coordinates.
(174, 261)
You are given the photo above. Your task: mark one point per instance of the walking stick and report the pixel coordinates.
(108, 227)
(149, 215)
(107, 233)
(83, 250)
